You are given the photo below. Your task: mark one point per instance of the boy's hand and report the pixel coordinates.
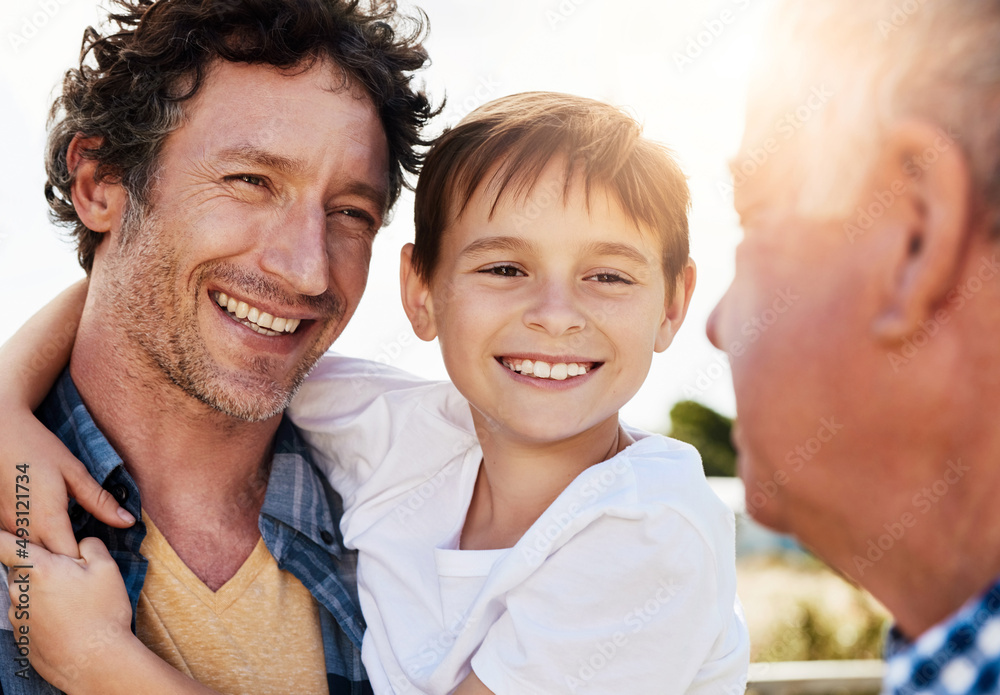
(37, 466)
(78, 613)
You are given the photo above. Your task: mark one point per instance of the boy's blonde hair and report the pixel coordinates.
(508, 142)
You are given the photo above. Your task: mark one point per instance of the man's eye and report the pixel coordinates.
(506, 271)
(358, 214)
(354, 220)
(250, 179)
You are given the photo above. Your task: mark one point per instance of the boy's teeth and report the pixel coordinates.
(544, 370)
(254, 318)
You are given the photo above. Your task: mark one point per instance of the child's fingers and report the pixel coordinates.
(32, 490)
(91, 496)
(95, 554)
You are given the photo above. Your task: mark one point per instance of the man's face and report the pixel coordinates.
(807, 375)
(254, 252)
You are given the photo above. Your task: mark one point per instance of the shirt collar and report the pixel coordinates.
(64, 412)
(973, 613)
(296, 495)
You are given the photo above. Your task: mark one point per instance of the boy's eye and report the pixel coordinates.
(611, 278)
(506, 271)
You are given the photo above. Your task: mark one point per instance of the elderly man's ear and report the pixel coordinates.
(99, 204)
(923, 182)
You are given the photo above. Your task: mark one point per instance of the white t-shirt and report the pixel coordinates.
(626, 584)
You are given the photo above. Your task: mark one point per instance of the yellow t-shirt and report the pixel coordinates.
(259, 633)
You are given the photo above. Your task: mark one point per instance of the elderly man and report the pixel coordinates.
(868, 190)
(224, 167)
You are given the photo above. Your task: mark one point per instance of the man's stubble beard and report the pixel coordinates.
(160, 325)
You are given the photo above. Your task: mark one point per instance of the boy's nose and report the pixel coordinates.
(297, 250)
(555, 311)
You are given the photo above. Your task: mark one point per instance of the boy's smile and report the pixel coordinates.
(557, 370)
(549, 295)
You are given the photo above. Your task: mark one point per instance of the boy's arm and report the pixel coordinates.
(78, 623)
(33, 358)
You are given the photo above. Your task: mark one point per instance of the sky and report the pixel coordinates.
(680, 67)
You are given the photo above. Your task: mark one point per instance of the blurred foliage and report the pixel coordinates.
(708, 432)
(820, 634)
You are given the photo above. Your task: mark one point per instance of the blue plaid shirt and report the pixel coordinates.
(299, 523)
(958, 657)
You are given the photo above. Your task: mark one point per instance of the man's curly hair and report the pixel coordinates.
(129, 87)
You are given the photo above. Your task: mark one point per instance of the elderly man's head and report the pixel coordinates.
(836, 78)
(225, 167)
(864, 315)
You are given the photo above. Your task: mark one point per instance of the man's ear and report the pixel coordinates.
(925, 184)
(676, 307)
(417, 300)
(99, 204)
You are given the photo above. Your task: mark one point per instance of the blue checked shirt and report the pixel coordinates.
(958, 657)
(299, 523)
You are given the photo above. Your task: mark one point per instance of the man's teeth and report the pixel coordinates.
(545, 370)
(254, 318)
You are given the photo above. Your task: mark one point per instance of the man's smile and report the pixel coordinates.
(254, 318)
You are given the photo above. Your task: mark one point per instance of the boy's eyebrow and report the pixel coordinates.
(495, 243)
(611, 248)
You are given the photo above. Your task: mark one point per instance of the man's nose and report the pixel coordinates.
(555, 310)
(712, 327)
(297, 250)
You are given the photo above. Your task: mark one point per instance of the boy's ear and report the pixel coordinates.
(417, 301)
(675, 308)
(99, 204)
(926, 226)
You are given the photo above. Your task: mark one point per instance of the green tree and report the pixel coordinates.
(708, 432)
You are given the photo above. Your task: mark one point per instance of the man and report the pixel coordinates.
(864, 317)
(224, 167)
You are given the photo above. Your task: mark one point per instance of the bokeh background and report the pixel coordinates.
(680, 67)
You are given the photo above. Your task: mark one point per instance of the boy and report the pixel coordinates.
(513, 536)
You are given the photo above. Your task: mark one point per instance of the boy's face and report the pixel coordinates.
(551, 282)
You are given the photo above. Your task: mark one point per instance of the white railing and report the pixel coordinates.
(815, 677)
